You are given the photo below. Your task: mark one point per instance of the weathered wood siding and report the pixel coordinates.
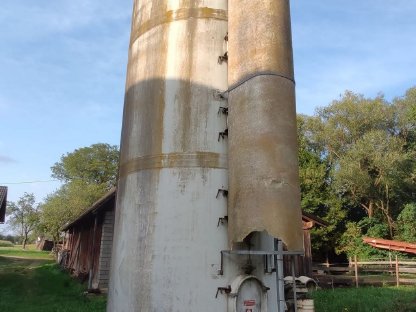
(106, 247)
(89, 242)
(303, 264)
(84, 248)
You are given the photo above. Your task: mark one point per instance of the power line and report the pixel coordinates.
(27, 182)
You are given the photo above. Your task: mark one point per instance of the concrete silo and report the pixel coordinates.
(180, 242)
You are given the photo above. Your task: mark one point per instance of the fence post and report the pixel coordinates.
(327, 261)
(356, 271)
(390, 259)
(397, 273)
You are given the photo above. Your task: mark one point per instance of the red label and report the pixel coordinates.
(249, 310)
(249, 303)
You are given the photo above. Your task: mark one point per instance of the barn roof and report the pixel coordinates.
(97, 206)
(3, 202)
(310, 217)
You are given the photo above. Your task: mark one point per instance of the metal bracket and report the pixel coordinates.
(224, 193)
(267, 267)
(223, 290)
(220, 95)
(223, 110)
(223, 58)
(222, 220)
(223, 134)
(255, 253)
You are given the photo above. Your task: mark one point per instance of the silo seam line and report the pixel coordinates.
(177, 15)
(258, 74)
(174, 160)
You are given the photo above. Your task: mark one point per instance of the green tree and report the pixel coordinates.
(313, 171)
(351, 241)
(405, 108)
(88, 173)
(370, 163)
(95, 164)
(373, 173)
(406, 122)
(338, 126)
(67, 203)
(317, 195)
(406, 223)
(24, 216)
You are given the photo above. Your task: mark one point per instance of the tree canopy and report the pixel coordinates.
(95, 164)
(68, 202)
(88, 173)
(357, 168)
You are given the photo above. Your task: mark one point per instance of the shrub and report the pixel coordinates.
(4, 243)
(406, 229)
(351, 241)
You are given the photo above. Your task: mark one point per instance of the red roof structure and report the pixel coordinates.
(391, 245)
(3, 203)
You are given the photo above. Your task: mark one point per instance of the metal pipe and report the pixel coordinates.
(292, 265)
(280, 286)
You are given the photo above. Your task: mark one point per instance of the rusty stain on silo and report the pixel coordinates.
(264, 191)
(171, 163)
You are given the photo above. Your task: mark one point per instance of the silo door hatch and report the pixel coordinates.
(248, 294)
(249, 297)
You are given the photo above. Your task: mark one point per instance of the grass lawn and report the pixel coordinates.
(366, 299)
(31, 281)
(29, 253)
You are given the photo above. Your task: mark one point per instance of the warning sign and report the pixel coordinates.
(249, 303)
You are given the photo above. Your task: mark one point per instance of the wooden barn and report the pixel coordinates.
(44, 244)
(88, 242)
(303, 265)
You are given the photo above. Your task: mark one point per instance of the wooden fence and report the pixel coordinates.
(391, 271)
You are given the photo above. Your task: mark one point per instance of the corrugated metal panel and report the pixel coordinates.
(391, 244)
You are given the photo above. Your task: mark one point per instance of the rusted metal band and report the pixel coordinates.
(177, 15)
(175, 160)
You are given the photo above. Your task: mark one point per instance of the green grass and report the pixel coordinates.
(366, 299)
(29, 253)
(36, 284)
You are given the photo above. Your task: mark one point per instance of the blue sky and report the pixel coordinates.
(63, 64)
